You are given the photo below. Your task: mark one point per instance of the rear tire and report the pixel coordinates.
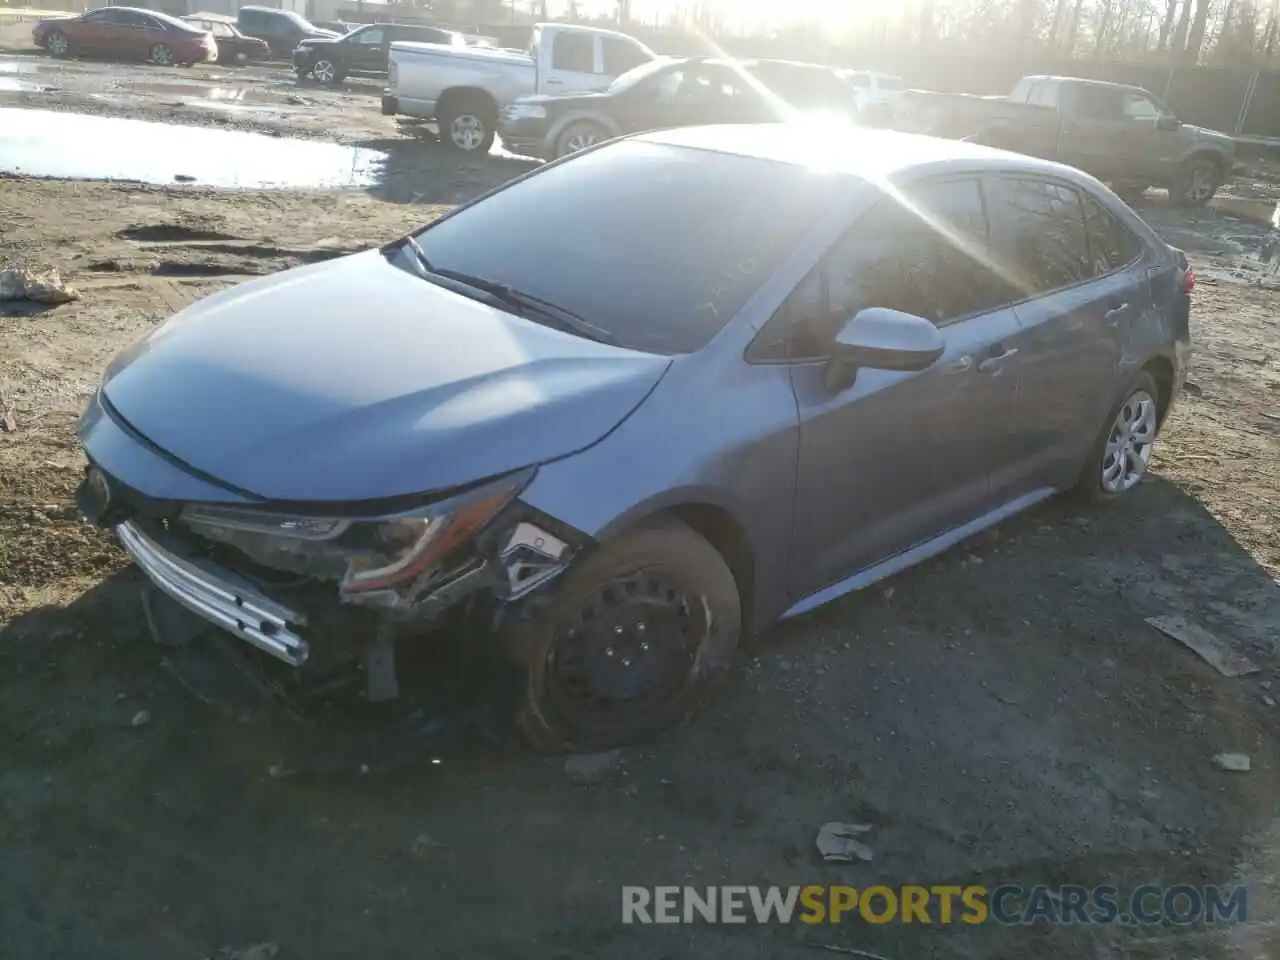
(1196, 181)
(1120, 456)
(630, 642)
(161, 55)
(467, 124)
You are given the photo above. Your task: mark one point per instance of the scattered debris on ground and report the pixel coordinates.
(839, 843)
(39, 285)
(1216, 653)
(591, 768)
(1235, 762)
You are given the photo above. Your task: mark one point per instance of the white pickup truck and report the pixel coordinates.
(464, 89)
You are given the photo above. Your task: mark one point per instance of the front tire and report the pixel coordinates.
(1119, 458)
(630, 643)
(578, 136)
(1196, 182)
(58, 44)
(326, 71)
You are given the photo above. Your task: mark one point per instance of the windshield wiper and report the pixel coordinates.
(504, 293)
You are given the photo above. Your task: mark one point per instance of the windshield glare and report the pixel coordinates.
(657, 245)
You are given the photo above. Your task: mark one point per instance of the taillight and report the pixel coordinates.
(1188, 281)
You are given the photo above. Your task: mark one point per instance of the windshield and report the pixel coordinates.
(638, 74)
(650, 243)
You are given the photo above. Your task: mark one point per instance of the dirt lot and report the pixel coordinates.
(1002, 714)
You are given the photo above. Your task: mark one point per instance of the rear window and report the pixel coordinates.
(652, 242)
(1112, 245)
(1039, 233)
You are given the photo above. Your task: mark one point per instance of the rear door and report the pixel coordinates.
(572, 63)
(102, 32)
(1058, 251)
(1093, 128)
(900, 458)
(144, 32)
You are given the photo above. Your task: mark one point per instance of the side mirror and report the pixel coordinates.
(1168, 121)
(881, 339)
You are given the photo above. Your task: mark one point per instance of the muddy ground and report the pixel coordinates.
(1001, 714)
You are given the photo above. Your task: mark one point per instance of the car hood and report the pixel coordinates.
(356, 380)
(1205, 133)
(318, 41)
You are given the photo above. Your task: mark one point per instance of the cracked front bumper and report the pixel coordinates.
(218, 596)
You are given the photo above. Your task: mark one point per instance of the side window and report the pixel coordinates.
(372, 37)
(574, 52)
(1098, 102)
(112, 16)
(1138, 107)
(139, 20)
(927, 258)
(1112, 245)
(220, 30)
(251, 20)
(1039, 235)
(620, 56)
(1042, 95)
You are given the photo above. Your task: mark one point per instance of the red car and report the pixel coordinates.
(126, 33)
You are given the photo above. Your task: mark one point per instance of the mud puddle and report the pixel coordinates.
(82, 147)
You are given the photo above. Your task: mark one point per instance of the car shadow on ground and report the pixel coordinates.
(418, 169)
(1001, 714)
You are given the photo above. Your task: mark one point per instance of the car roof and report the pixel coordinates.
(1053, 78)
(864, 152)
(211, 17)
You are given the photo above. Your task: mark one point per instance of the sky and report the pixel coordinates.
(752, 14)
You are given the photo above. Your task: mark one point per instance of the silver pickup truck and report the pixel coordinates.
(463, 89)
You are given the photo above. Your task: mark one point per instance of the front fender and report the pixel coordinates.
(574, 116)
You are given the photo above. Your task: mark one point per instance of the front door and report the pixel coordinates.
(901, 458)
(1093, 128)
(366, 49)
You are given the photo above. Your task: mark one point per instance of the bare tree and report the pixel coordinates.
(1166, 25)
(1195, 39)
(623, 11)
(1179, 40)
(1104, 24)
(927, 26)
(1059, 8)
(1073, 29)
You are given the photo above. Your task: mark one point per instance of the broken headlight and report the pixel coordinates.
(362, 554)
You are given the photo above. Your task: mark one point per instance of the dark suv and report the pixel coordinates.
(281, 29)
(363, 50)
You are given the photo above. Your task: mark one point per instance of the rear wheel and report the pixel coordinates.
(632, 640)
(467, 124)
(58, 44)
(161, 55)
(1120, 455)
(1196, 182)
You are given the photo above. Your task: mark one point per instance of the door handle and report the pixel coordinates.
(995, 363)
(554, 81)
(1116, 314)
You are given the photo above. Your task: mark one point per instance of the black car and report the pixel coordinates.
(673, 93)
(363, 50)
(281, 29)
(233, 46)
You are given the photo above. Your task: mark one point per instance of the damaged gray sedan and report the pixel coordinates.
(639, 403)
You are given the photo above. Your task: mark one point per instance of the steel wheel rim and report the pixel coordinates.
(466, 131)
(580, 141)
(1202, 177)
(631, 649)
(58, 43)
(1128, 451)
(161, 55)
(324, 71)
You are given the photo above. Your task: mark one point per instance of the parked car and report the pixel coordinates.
(673, 93)
(337, 26)
(126, 33)
(877, 94)
(626, 417)
(363, 50)
(233, 46)
(464, 89)
(282, 30)
(1118, 133)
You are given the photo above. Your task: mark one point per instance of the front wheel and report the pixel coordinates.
(58, 44)
(631, 641)
(1120, 455)
(161, 55)
(1196, 182)
(578, 136)
(326, 71)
